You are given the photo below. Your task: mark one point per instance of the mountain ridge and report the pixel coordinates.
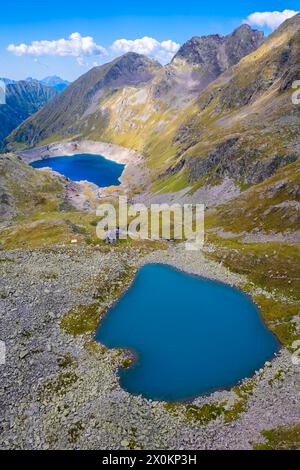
(130, 87)
(190, 134)
(224, 50)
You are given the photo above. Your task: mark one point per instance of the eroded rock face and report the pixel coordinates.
(200, 61)
(218, 53)
(230, 159)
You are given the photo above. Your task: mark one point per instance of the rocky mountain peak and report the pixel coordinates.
(135, 58)
(199, 49)
(130, 68)
(241, 42)
(220, 52)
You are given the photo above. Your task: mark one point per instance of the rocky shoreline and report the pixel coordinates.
(134, 174)
(112, 152)
(61, 390)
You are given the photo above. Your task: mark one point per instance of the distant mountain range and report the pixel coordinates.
(7, 81)
(22, 99)
(53, 81)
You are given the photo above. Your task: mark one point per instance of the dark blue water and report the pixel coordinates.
(191, 335)
(93, 168)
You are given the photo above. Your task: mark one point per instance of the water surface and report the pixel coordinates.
(190, 335)
(93, 168)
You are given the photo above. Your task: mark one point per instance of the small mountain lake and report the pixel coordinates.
(93, 168)
(190, 336)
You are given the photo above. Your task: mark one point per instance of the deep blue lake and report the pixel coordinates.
(93, 168)
(190, 335)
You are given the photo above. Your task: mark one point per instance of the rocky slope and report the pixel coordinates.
(212, 55)
(56, 377)
(76, 109)
(22, 99)
(40, 208)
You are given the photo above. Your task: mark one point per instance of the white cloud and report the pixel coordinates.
(271, 19)
(81, 48)
(162, 51)
(76, 46)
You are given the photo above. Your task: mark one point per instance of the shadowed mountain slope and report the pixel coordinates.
(22, 99)
(75, 110)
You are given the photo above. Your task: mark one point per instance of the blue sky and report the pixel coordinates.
(105, 23)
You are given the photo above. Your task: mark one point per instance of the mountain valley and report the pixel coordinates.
(217, 125)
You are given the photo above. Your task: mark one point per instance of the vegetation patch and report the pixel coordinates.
(172, 408)
(59, 386)
(81, 319)
(279, 317)
(277, 377)
(94, 348)
(74, 431)
(270, 265)
(66, 361)
(274, 310)
(36, 234)
(281, 438)
(244, 392)
(127, 362)
(206, 413)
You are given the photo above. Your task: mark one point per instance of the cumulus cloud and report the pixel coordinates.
(82, 48)
(76, 46)
(270, 19)
(162, 51)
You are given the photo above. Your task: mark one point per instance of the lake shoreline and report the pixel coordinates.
(113, 332)
(135, 172)
(92, 372)
(109, 151)
(84, 167)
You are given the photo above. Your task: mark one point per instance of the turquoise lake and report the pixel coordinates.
(190, 336)
(93, 168)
